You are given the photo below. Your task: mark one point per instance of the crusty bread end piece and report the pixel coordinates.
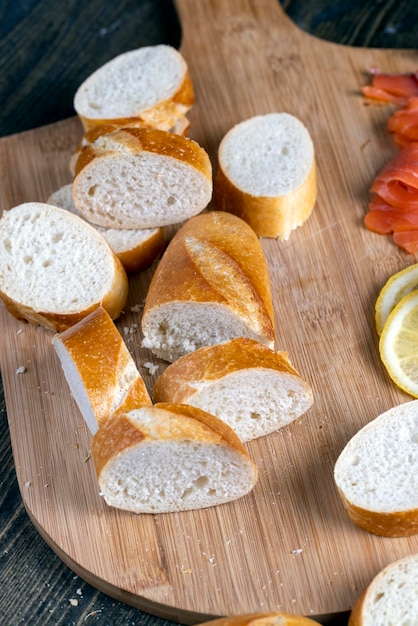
(141, 178)
(266, 174)
(376, 473)
(250, 387)
(99, 369)
(274, 618)
(55, 268)
(169, 458)
(391, 597)
(211, 285)
(150, 84)
(136, 249)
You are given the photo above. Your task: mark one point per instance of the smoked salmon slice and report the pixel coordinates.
(397, 182)
(395, 88)
(408, 240)
(403, 124)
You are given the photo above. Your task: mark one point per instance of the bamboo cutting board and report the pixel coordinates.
(289, 544)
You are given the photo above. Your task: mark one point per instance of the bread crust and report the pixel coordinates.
(101, 358)
(197, 268)
(142, 256)
(394, 524)
(152, 140)
(214, 362)
(273, 217)
(118, 433)
(274, 618)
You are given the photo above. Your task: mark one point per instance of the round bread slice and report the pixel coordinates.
(250, 387)
(151, 84)
(99, 369)
(55, 268)
(266, 174)
(274, 618)
(136, 249)
(376, 474)
(141, 178)
(169, 458)
(391, 597)
(211, 285)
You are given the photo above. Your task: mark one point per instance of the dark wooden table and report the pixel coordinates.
(46, 48)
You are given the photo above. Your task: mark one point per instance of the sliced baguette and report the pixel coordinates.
(391, 597)
(141, 178)
(55, 268)
(136, 249)
(211, 285)
(376, 474)
(275, 618)
(250, 387)
(99, 369)
(266, 174)
(169, 458)
(150, 84)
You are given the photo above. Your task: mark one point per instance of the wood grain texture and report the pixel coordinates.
(289, 544)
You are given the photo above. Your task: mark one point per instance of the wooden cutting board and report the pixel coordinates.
(289, 544)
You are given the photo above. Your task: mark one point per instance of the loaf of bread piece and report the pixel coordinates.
(274, 618)
(99, 369)
(377, 473)
(252, 388)
(266, 174)
(136, 249)
(211, 285)
(391, 597)
(170, 457)
(55, 268)
(150, 84)
(141, 178)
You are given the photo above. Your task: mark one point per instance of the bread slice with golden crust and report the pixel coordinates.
(391, 597)
(136, 249)
(55, 268)
(273, 618)
(99, 369)
(168, 458)
(376, 474)
(141, 178)
(150, 84)
(252, 388)
(266, 174)
(211, 285)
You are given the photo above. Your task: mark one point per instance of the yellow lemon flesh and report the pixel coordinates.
(398, 344)
(398, 286)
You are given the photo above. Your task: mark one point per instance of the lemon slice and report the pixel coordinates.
(398, 286)
(398, 344)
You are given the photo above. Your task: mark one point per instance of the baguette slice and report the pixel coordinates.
(250, 387)
(211, 285)
(141, 178)
(150, 84)
(377, 473)
(275, 618)
(168, 458)
(266, 174)
(391, 597)
(99, 369)
(136, 249)
(55, 268)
